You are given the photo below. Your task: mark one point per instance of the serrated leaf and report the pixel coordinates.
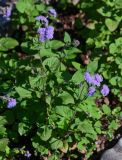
(98, 127)
(67, 98)
(82, 143)
(64, 111)
(53, 63)
(56, 144)
(86, 127)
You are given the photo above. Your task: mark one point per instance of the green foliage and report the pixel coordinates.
(7, 44)
(53, 110)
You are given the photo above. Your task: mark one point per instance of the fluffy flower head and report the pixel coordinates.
(91, 91)
(88, 77)
(49, 32)
(11, 103)
(7, 13)
(97, 79)
(27, 154)
(52, 12)
(42, 19)
(45, 33)
(105, 90)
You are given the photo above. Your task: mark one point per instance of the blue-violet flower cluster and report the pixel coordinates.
(91, 91)
(52, 12)
(46, 32)
(42, 19)
(11, 103)
(7, 13)
(27, 154)
(95, 81)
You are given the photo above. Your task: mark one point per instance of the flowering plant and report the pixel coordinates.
(46, 106)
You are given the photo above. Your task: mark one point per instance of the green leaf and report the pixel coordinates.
(112, 48)
(7, 44)
(64, 111)
(82, 143)
(77, 77)
(104, 12)
(66, 98)
(93, 66)
(111, 24)
(86, 127)
(76, 65)
(40, 148)
(3, 144)
(67, 38)
(120, 83)
(113, 81)
(23, 128)
(56, 44)
(26, 6)
(118, 41)
(45, 133)
(23, 93)
(113, 125)
(118, 4)
(71, 52)
(20, 5)
(53, 157)
(98, 127)
(106, 109)
(40, 7)
(38, 81)
(46, 52)
(53, 63)
(56, 144)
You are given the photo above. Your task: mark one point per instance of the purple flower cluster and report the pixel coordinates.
(27, 154)
(42, 19)
(11, 103)
(94, 81)
(105, 90)
(88, 77)
(7, 13)
(52, 12)
(45, 33)
(91, 91)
